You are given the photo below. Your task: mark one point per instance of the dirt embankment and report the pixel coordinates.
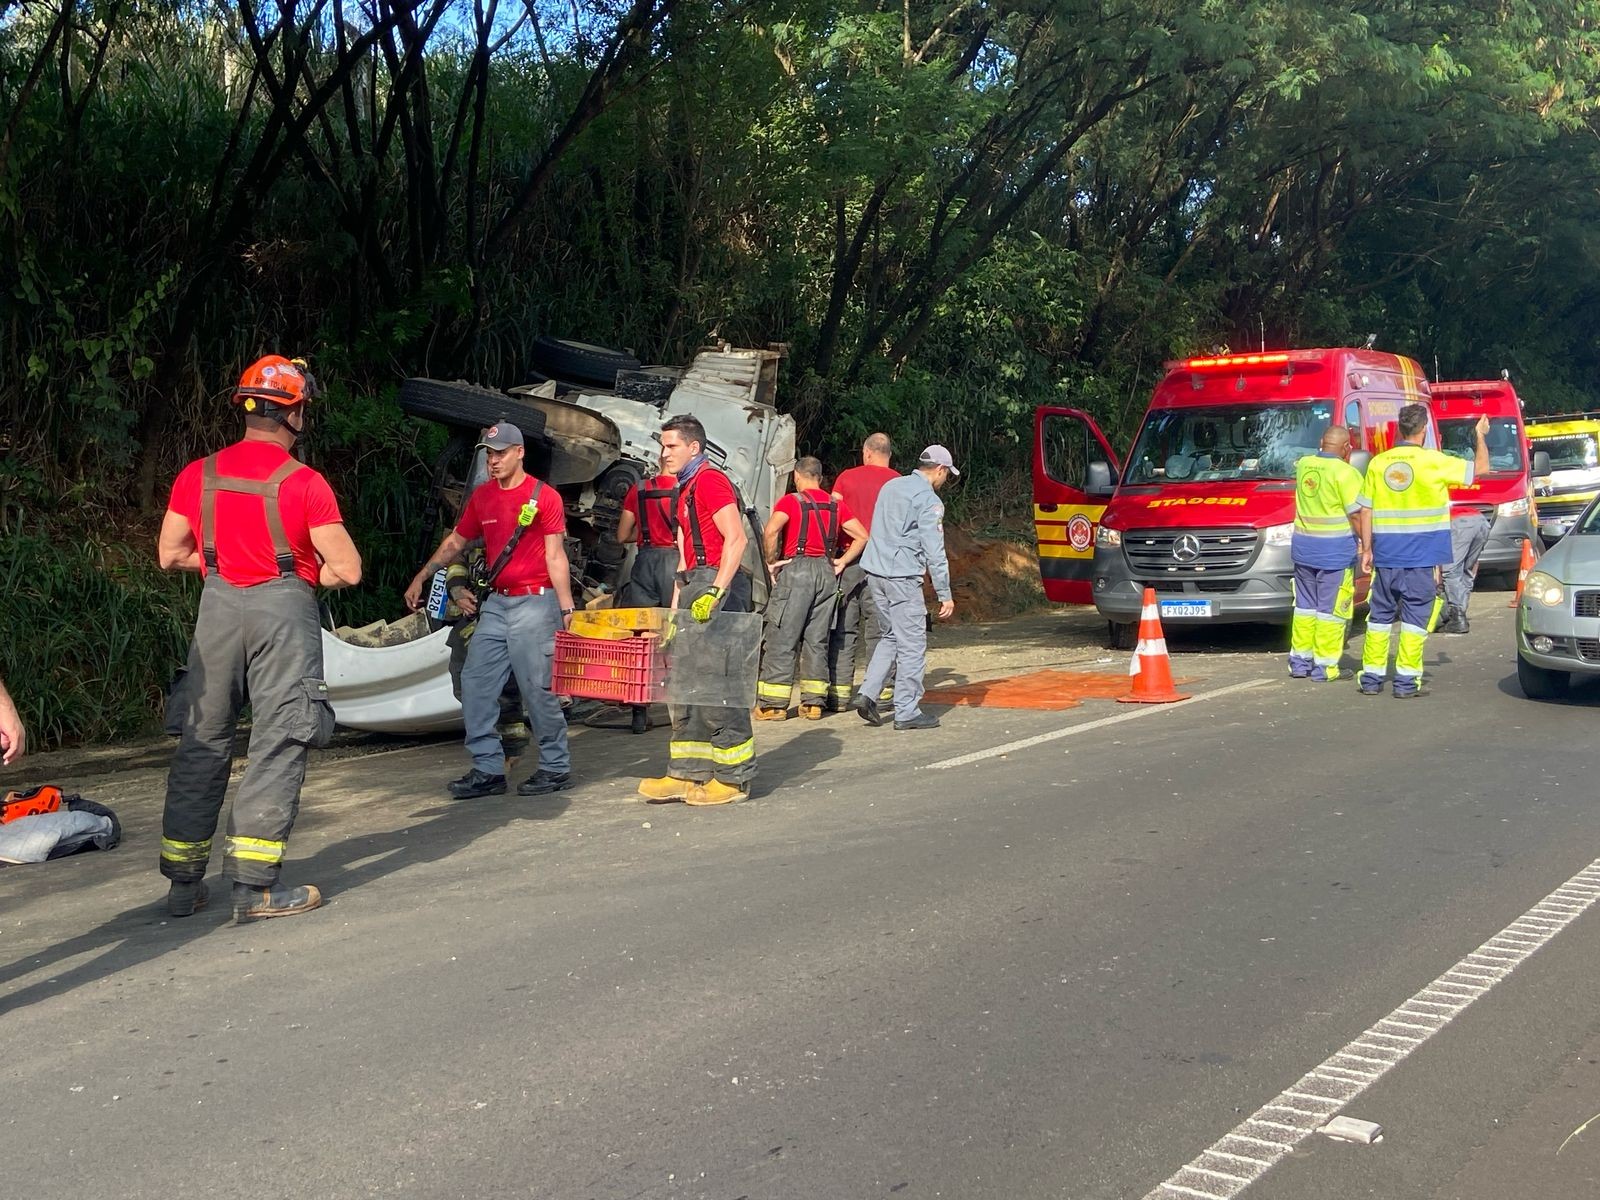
(993, 576)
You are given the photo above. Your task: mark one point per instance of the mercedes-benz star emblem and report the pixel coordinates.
(1186, 549)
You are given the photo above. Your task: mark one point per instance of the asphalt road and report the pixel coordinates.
(1060, 971)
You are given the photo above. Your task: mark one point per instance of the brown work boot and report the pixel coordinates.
(252, 902)
(664, 790)
(811, 712)
(714, 792)
(772, 714)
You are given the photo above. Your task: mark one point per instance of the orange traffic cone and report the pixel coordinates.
(1151, 668)
(1528, 560)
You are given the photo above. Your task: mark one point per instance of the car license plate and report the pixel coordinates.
(1186, 608)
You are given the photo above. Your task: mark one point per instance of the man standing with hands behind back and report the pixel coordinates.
(523, 524)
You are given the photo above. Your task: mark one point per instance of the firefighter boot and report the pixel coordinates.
(664, 790)
(714, 792)
(811, 712)
(252, 902)
(772, 714)
(183, 899)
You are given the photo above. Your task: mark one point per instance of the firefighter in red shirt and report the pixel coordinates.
(264, 530)
(523, 524)
(650, 517)
(713, 753)
(811, 526)
(858, 619)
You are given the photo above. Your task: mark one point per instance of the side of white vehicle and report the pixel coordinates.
(395, 677)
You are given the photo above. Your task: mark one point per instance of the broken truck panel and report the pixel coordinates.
(591, 444)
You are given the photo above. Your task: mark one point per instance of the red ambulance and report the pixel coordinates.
(1203, 508)
(1503, 494)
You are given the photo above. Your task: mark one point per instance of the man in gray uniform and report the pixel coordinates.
(907, 540)
(1469, 533)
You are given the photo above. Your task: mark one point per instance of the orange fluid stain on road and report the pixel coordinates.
(1046, 690)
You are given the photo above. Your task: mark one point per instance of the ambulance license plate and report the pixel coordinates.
(1186, 608)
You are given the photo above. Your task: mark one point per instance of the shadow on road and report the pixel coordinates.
(145, 932)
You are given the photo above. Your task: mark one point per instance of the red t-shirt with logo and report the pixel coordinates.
(712, 492)
(491, 513)
(245, 556)
(657, 524)
(816, 544)
(859, 488)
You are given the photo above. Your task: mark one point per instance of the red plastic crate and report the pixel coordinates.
(627, 671)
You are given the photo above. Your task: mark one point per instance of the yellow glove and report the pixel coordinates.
(703, 607)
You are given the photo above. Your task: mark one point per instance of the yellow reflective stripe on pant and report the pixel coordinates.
(185, 852)
(774, 691)
(723, 756)
(259, 850)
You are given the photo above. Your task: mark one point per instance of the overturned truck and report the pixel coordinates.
(590, 418)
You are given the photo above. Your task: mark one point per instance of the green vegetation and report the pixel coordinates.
(949, 211)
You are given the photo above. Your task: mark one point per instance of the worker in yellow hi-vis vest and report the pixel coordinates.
(1405, 541)
(1326, 503)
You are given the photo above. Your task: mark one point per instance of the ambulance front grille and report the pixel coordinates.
(1166, 552)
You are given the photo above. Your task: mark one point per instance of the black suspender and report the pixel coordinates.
(827, 514)
(667, 499)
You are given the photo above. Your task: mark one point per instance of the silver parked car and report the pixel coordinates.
(1558, 621)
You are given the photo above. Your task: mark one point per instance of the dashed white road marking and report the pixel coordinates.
(1088, 726)
(1235, 1161)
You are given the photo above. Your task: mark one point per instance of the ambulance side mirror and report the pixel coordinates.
(1098, 480)
(1359, 460)
(1541, 463)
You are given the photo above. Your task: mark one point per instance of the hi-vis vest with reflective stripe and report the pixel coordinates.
(1326, 490)
(1408, 490)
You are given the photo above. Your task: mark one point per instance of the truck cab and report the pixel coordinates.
(1202, 509)
(1503, 494)
(1572, 444)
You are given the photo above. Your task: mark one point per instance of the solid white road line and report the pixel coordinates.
(1218, 1174)
(1088, 726)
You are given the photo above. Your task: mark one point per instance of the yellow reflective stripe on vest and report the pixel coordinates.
(175, 851)
(255, 849)
(726, 756)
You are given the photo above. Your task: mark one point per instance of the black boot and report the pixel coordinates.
(252, 902)
(477, 783)
(1455, 621)
(185, 898)
(867, 709)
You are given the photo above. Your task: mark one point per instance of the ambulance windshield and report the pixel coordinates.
(1225, 443)
(1505, 443)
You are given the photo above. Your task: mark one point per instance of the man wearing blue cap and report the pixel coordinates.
(523, 526)
(906, 542)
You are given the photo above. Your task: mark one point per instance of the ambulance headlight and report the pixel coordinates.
(1543, 589)
(1512, 508)
(1107, 539)
(1278, 535)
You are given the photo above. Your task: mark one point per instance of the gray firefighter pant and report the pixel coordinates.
(904, 647)
(799, 619)
(857, 630)
(710, 742)
(650, 582)
(262, 644)
(1468, 535)
(516, 635)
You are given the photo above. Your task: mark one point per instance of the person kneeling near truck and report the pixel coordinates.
(1327, 492)
(523, 525)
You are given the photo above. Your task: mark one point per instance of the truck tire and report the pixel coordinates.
(1537, 683)
(1121, 635)
(581, 362)
(468, 406)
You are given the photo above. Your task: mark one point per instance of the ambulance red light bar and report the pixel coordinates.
(1237, 360)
